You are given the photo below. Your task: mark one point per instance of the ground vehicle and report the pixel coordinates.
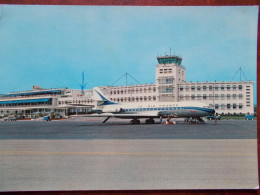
(46, 118)
(213, 117)
(249, 117)
(11, 118)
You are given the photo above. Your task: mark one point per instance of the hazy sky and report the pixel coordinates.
(50, 46)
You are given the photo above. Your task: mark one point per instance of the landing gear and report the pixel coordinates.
(135, 121)
(149, 121)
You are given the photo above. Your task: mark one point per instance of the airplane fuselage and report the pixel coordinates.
(158, 109)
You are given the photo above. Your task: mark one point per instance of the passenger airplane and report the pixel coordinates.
(148, 110)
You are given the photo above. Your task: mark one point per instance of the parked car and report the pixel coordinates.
(10, 118)
(249, 117)
(46, 118)
(213, 117)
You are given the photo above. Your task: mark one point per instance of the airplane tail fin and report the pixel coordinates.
(100, 97)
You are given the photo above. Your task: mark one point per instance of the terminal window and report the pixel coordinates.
(228, 96)
(228, 106)
(169, 80)
(168, 90)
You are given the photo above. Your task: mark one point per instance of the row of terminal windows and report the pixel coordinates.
(132, 91)
(134, 99)
(26, 104)
(74, 110)
(166, 90)
(166, 81)
(77, 101)
(210, 97)
(165, 70)
(216, 87)
(227, 106)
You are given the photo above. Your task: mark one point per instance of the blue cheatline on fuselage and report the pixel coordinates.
(168, 108)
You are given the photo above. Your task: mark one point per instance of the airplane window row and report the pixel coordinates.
(151, 109)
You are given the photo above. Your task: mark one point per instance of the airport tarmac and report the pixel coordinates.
(88, 155)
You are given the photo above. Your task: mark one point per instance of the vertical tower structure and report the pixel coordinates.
(169, 74)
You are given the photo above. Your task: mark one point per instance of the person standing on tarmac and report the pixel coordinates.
(216, 118)
(161, 119)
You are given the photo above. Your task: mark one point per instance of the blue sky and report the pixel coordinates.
(50, 46)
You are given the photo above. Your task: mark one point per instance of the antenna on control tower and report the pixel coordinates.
(239, 71)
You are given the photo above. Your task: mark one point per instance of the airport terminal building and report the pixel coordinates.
(225, 97)
(171, 86)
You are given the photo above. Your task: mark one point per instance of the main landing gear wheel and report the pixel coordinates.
(149, 121)
(135, 122)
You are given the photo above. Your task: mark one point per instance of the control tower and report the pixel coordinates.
(169, 74)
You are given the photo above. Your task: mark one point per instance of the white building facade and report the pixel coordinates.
(225, 97)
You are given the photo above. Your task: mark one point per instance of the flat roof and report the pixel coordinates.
(33, 93)
(26, 101)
